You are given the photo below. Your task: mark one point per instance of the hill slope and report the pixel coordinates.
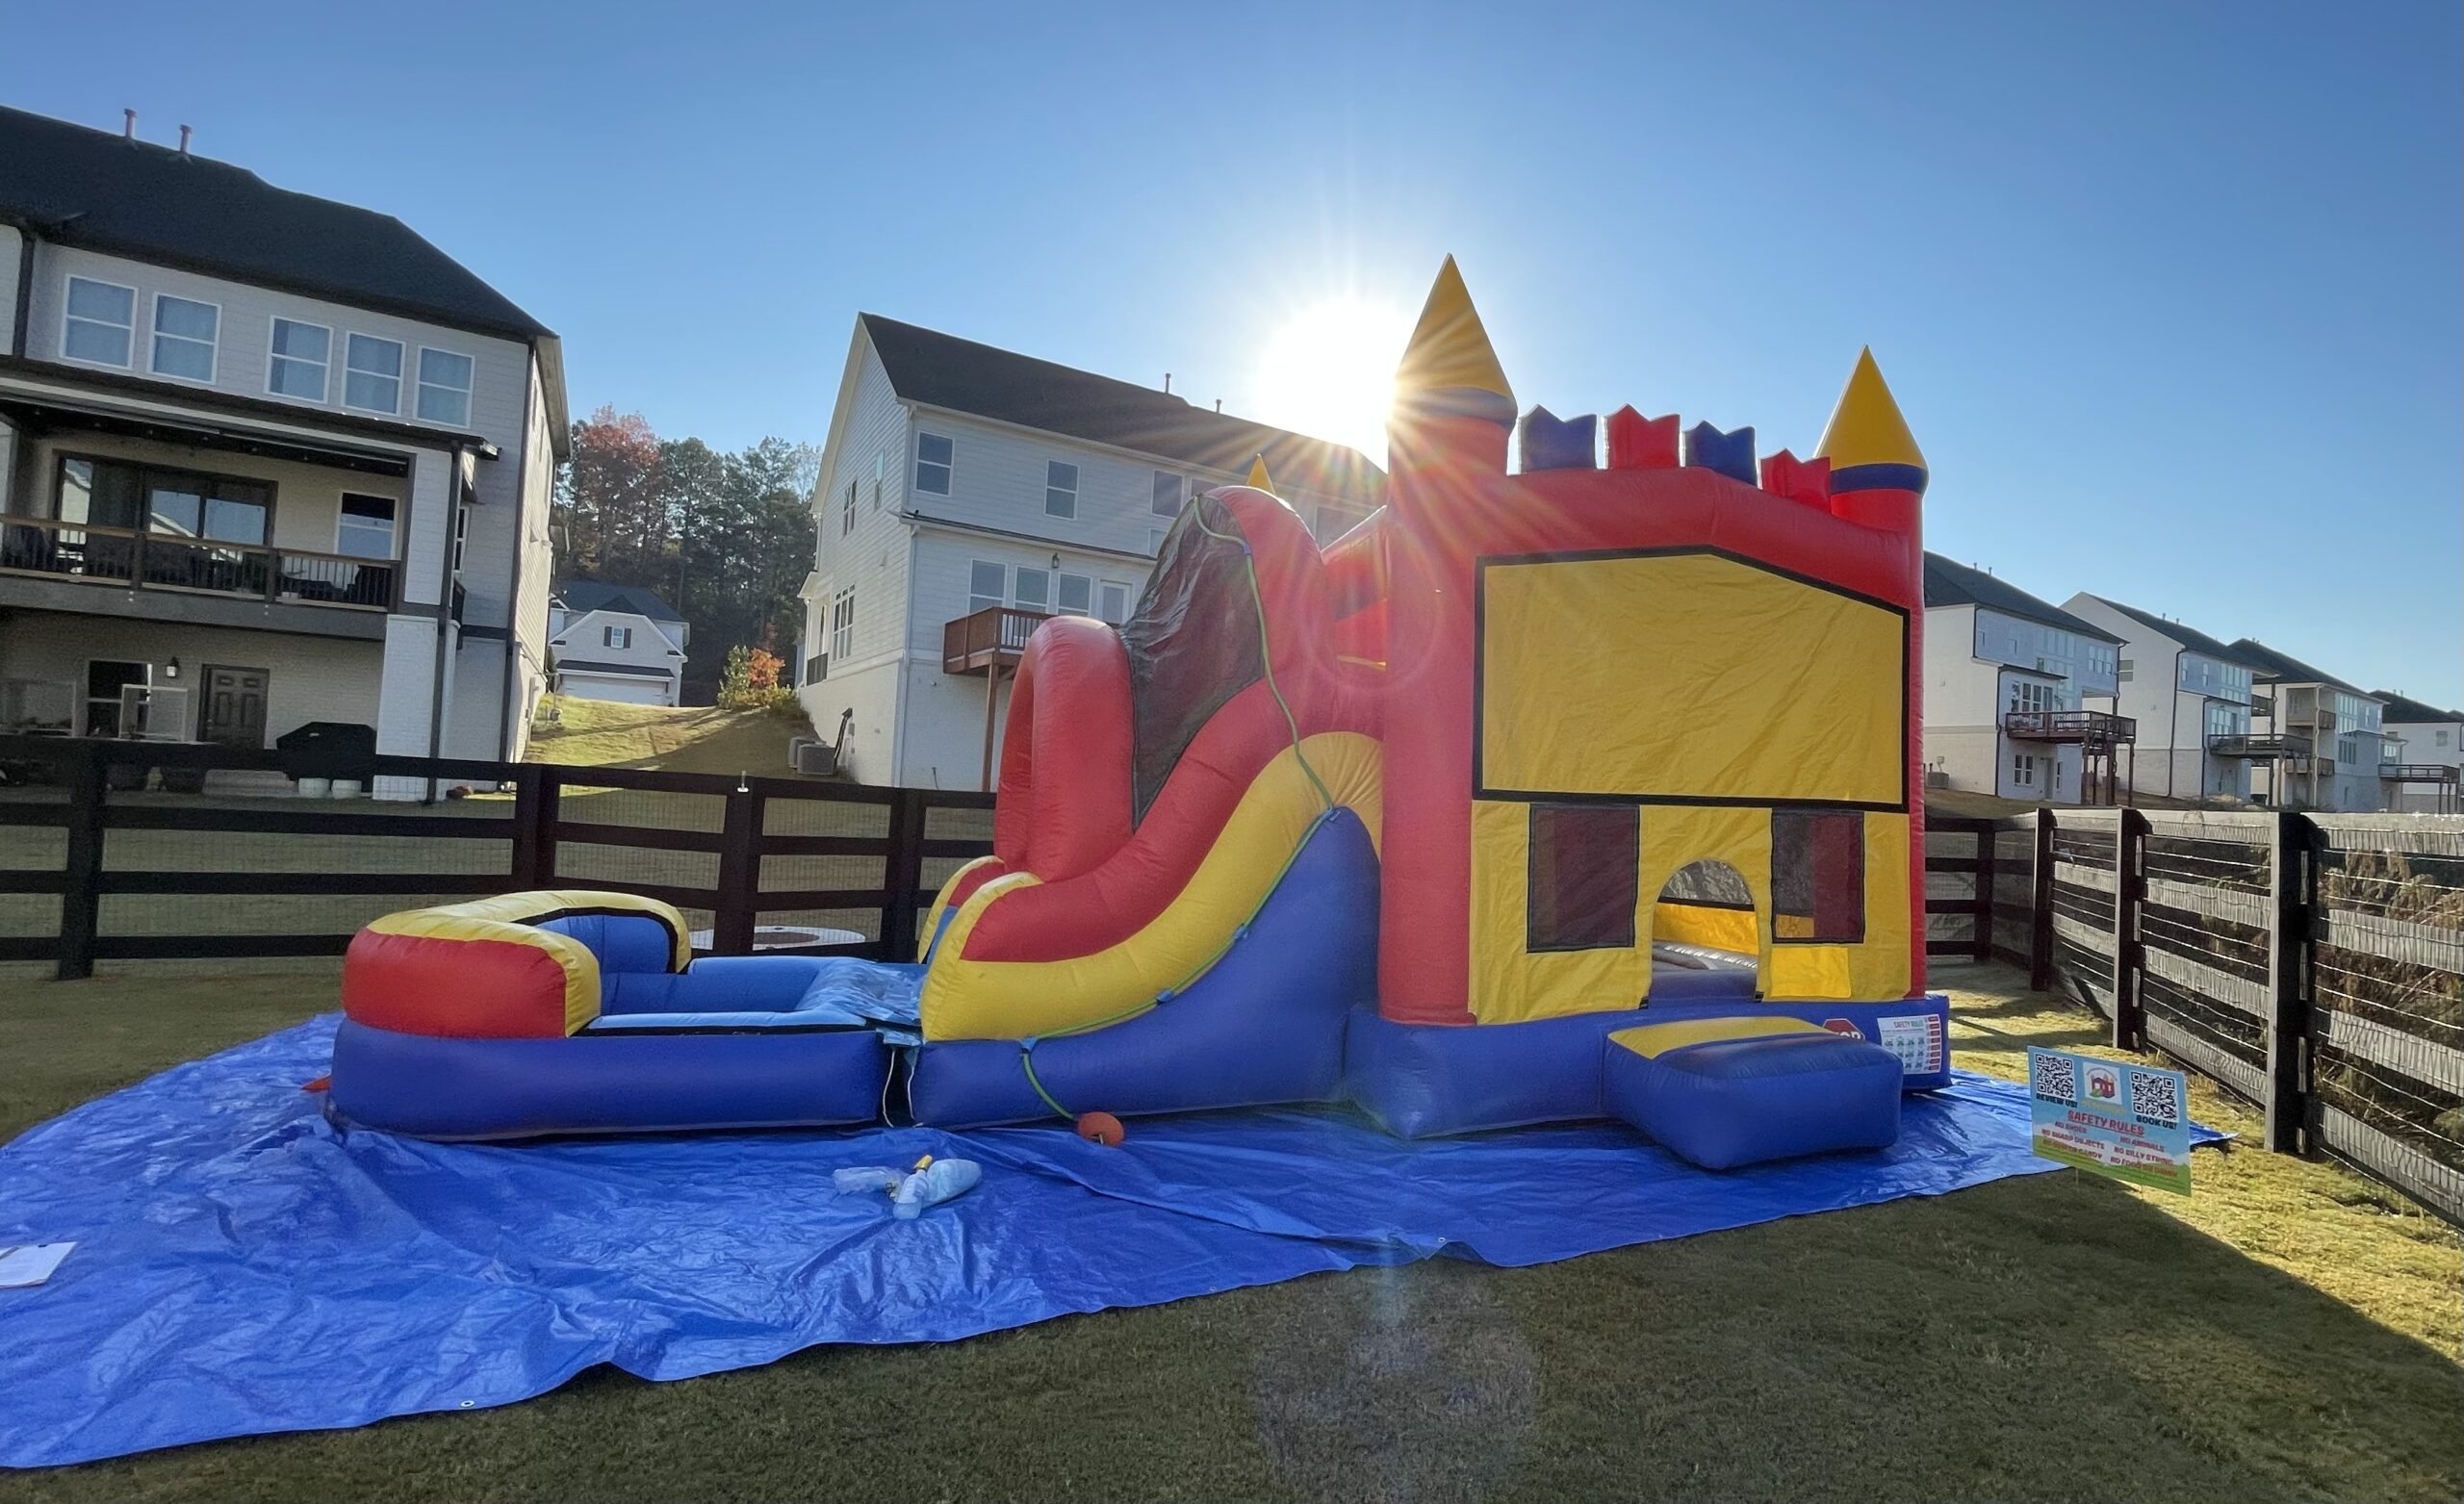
(689, 739)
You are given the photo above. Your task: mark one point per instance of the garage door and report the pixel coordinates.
(609, 687)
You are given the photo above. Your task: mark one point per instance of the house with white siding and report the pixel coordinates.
(616, 642)
(967, 492)
(2343, 746)
(265, 459)
(2425, 769)
(2007, 682)
(2188, 698)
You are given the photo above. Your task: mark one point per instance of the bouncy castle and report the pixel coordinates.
(1590, 788)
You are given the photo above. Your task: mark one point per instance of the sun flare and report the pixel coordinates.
(1329, 372)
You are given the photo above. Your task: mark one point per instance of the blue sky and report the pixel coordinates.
(2170, 293)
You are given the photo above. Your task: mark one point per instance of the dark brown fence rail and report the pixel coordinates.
(135, 850)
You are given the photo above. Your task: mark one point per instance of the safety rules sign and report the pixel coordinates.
(2131, 1122)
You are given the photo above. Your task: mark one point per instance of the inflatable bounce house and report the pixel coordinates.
(1583, 790)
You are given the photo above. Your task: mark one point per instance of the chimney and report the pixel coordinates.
(184, 140)
(1219, 404)
(1168, 383)
(128, 131)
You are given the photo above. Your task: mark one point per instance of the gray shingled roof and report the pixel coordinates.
(2190, 637)
(2277, 668)
(945, 371)
(1952, 584)
(2407, 709)
(83, 187)
(595, 595)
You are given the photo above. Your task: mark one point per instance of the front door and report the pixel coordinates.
(235, 708)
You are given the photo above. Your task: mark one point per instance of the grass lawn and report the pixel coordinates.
(2289, 1332)
(687, 739)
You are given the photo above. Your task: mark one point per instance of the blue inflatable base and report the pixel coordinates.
(1736, 1102)
(1422, 1080)
(243, 1266)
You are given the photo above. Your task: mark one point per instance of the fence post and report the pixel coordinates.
(1987, 836)
(2292, 885)
(534, 827)
(2041, 909)
(901, 876)
(739, 873)
(2130, 890)
(81, 899)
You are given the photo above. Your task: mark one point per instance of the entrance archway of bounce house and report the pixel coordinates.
(1705, 933)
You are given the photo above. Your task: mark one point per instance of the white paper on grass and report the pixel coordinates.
(31, 1264)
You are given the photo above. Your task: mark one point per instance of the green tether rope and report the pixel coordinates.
(1326, 810)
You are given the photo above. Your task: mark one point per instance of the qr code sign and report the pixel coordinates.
(2055, 1079)
(2156, 1098)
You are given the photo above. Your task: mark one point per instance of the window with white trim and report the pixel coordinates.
(1111, 600)
(616, 637)
(1035, 589)
(880, 468)
(1060, 489)
(1167, 493)
(2023, 770)
(444, 388)
(847, 511)
(843, 625)
(101, 323)
(185, 334)
(365, 528)
(1077, 596)
(297, 357)
(2122, 671)
(373, 374)
(987, 586)
(936, 460)
(461, 534)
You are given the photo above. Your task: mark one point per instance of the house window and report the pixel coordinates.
(843, 625)
(2121, 675)
(847, 512)
(461, 534)
(1167, 493)
(185, 332)
(373, 374)
(934, 459)
(1035, 589)
(99, 492)
(1060, 489)
(1586, 872)
(297, 359)
(616, 637)
(2023, 770)
(2439, 738)
(986, 584)
(1817, 877)
(879, 464)
(1112, 599)
(444, 388)
(101, 323)
(105, 678)
(366, 529)
(1077, 595)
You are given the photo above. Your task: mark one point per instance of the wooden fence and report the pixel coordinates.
(95, 868)
(2312, 964)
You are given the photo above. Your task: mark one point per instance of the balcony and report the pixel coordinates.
(989, 639)
(2257, 748)
(138, 560)
(2088, 728)
(2418, 773)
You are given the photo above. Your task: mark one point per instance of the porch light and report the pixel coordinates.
(171, 669)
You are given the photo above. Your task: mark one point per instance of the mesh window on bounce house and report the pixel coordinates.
(1557, 827)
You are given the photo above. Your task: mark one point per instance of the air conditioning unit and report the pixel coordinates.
(814, 759)
(1937, 778)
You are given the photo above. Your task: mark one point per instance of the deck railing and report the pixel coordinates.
(138, 559)
(994, 635)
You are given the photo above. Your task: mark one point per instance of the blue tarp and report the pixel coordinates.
(244, 1266)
